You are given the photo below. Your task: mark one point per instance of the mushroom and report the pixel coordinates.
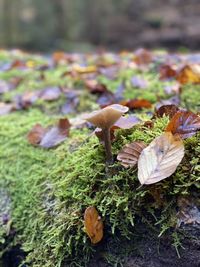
(104, 119)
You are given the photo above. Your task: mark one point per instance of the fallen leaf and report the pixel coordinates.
(4, 87)
(130, 153)
(139, 82)
(175, 100)
(94, 87)
(189, 74)
(36, 134)
(167, 72)
(167, 110)
(50, 136)
(188, 212)
(127, 122)
(93, 225)
(142, 56)
(184, 123)
(50, 93)
(137, 103)
(6, 108)
(173, 89)
(160, 159)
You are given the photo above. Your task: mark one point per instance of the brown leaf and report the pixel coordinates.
(51, 136)
(94, 87)
(130, 153)
(93, 224)
(184, 123)
(137, 103)
(142, 56)
(189, 74)
(36, 134)
(167, 110)
(167, 72)
(160, 159)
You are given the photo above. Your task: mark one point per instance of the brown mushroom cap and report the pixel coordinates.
(106, 117)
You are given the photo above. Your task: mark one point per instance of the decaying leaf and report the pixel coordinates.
(142, 56)
(139, 82)
(50, 136)
(174, 88)
(167, 110)
(130, 153)
(6, 108)
(137, 103)
(36, 134)
(50, 93)
(188, 212)
(160, 159)
(167, 72)
(184, 123)
(93, 224)
(189, 74)
(127, 122)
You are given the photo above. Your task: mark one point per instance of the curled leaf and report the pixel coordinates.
(160, 159)
(167, 110)
(184, 123)
(130, 153)
(93, 224)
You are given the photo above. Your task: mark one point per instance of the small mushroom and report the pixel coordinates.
(104, 119)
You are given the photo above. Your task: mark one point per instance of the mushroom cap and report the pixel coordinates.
(106, 117)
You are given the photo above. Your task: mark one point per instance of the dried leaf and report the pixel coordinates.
(160, 159)
(184, 123)
(167, 110)
(94, 87)
(188, 212)
(51, 136)
(139, 82)
(167, 72)
(36, 134)
(173, 89)
(6, 108)
(127, 122)
(130, 153)
(137, 103)
(93, 224)
(50, 93)
(142, 56)
(189, 74)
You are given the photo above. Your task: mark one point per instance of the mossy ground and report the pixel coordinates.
(50, 189)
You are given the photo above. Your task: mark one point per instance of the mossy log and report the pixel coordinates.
(48, 191)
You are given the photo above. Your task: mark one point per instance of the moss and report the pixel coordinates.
(50, 190)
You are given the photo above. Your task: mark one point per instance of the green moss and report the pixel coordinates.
(50, 189)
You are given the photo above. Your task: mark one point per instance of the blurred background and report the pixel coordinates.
(83, 25)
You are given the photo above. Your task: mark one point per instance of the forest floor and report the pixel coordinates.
(53, 166)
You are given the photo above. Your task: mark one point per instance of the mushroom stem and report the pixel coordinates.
(107, 142)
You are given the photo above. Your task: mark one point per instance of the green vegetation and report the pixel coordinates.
(49, 190)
